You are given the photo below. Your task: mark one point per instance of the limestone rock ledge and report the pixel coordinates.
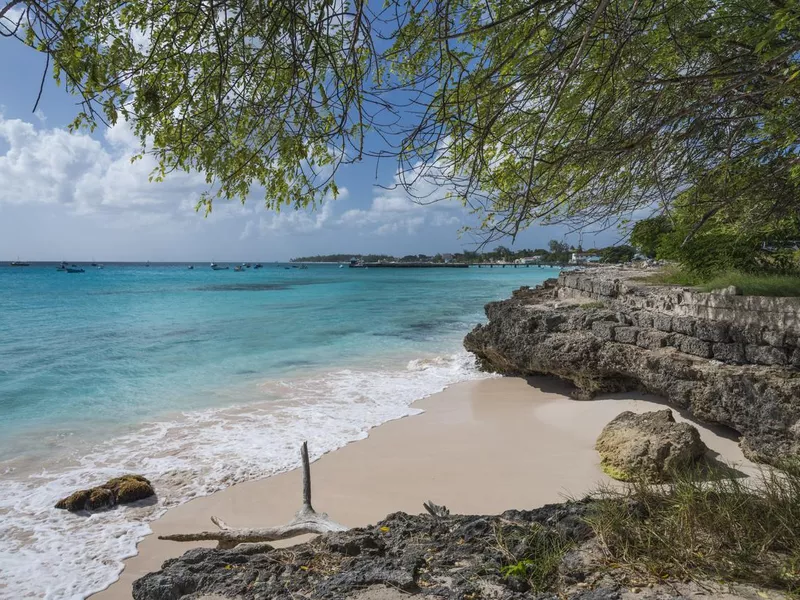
(613, 342)
(458, 557)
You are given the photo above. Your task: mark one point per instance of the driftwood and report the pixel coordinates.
(307, 520)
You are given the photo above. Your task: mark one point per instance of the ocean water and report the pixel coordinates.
(199, 379)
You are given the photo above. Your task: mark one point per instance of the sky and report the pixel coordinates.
(77, 196)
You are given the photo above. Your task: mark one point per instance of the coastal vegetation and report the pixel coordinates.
(706, 524)
(768, 247)
(532, 555)
(748, 284)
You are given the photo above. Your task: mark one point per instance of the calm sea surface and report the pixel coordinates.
(199, 379)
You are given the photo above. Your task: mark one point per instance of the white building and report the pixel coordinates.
(528, 260)
(581, 258)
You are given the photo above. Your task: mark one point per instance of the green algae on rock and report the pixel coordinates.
(650, 445)
(120, 490)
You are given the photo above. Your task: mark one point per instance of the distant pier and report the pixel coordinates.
(451, 265)
(408, 265)
(515, 265)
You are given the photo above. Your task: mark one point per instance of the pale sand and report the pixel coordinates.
(480, 447)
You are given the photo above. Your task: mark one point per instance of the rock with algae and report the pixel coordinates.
(649, 445)
(120, 490)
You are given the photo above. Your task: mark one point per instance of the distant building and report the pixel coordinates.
(527, 260)
(447, 257)
(581, 258)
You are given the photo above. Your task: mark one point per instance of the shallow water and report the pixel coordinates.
(199, 379)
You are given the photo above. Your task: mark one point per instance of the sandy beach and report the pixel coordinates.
(479, 447)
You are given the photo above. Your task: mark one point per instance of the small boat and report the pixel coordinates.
(62, 266)
(258, 266)
(341, 266)
(190, 267)
(147, 264)
(98, 266)
(238, 268)
(19, 263)
(72, 269)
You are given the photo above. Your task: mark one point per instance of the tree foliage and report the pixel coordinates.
(246, 92)
(647, 233)
(723, 244)
(586, 110)
(576, 111)
(617, 254)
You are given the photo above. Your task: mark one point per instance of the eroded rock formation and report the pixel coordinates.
(604, 332)
(433, 557)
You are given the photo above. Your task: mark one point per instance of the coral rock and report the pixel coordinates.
(649, 445)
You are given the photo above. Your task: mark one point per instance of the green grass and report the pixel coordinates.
(592, 305)
(748, 284)
(706, 527)
(532, 556)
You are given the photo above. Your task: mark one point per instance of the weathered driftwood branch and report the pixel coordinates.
(436, 510)
(307, 520)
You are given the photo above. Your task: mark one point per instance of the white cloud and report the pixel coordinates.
(12, 19)
(249, 228)
(94, 176)
(296, 222)
(396, 209)
(46, 166)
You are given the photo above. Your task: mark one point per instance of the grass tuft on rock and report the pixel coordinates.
(748, 284)
(532, 556)
(591, 305)
(706, 526)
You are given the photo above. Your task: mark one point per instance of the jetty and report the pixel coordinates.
(491, 265)
(408, 265)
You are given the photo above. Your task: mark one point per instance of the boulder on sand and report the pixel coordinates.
(649, 445)
(119, 490)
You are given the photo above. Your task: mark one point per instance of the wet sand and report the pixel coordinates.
(479, 447)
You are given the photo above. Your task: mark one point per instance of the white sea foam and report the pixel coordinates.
(52, 554)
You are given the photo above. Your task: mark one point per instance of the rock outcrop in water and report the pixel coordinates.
(725, 359)
(120, 490)
(649, 445)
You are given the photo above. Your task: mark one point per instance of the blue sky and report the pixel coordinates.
(77, 196)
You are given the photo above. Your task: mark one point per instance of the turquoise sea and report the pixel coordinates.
(199, 379)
